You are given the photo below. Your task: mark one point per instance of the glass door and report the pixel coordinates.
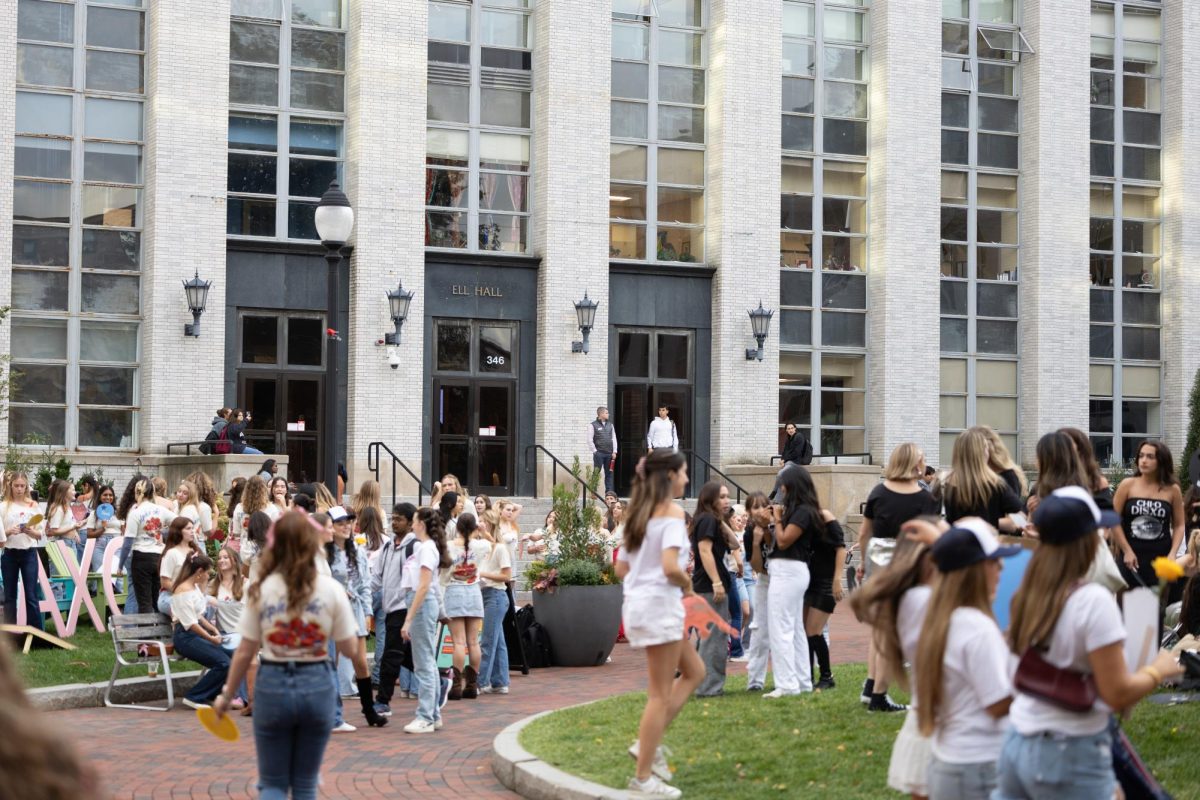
(474, 433)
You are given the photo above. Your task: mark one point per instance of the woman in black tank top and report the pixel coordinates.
(1152, 514)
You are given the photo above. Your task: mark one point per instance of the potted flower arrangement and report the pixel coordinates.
(576, 595)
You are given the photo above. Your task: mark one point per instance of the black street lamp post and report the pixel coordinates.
(334, 222)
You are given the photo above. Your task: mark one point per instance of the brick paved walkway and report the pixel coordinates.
(145, 755)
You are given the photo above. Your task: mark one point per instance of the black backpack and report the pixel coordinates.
(535, 640)
(806, 452)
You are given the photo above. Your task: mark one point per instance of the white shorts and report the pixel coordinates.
(909, 767)
(652, 620)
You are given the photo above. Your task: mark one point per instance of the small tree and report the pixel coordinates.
(1193, 434)
(584, 556)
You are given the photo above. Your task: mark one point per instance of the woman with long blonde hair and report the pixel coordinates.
(973, 488)
(1002, 462)
(207, 491)
(495, 573)
(651, 564)
(254, 498)
(323, 498)
(963, 677)
(187, 497)
(893, 502)
(369, 496)
(1054, 749)
(19, 560)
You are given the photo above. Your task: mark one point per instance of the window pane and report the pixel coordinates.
(846, 137)
(105, 428)
(445, 229)
(1142, 164)
(953, 412)
(114, 72)
(996, 79)
(1141, 381)
(684, 167)
(111, 27)
(502, 233)
(1141, 344)
(954, 147)
(627, 201)
(500, 192)
(109, 294)
(630, 80)
(1101, 305)
(305, 341)
(324, 13)
(798, 58)
(107, 161)
(681, 124)
(998, 227)
(798, 20)
(1102, 160)
(845, 99)
(796, 212)
(301, 220)
(42, 158)
(956, 110)
(845, 25)
(318, 90)
(795, 288)
(40, 246)
(997, 151)
(798, 95)
(953, 263)
(310, 178)
(998, 412)
(956, 74)
(1101, 341)
(106, 386)
(111, 206)
(37, 290)
(797, 133)
(630, 42)
(681, 85)
(953, 375)
(955, 39)
(996, 263)
(1102, 124)
(108, 341)
(45, 22)
(260, 340)
(996, 300)
(680, 12)
(1142, 128)
(633, 355)
(504, 29)
(675, 47)
(795, 327)
(843, 216)
(252, 132)
(112, 119)
(996, 337)
(843, 330)
(954, 298)
(685, 245)
(500, 151)
(34, 383)
(627, 162)
(318, 49)
(250, 217)
(252, 174)
(1144, 93)
(506, 108)
(44, 66)
(263, 9)
(627, 241)
(684, 206)
(41, 202)
(845, 62)
(629, 120)
(1139, 417)
(43, 113)
(954, 335)
(453, 347)
(673, 361)
(954, 224)
(253, 86)
(449, 23)
(446, 188)
(112, 250)
(43, 426)
(253, 42)
(844, 291)
(996, 11)
(998, 114)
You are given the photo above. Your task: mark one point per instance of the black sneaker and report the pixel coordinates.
(865, 696)
(826, 682)
(881, 702)
(443, 690)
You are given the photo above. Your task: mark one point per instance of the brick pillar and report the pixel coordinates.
(1054, 212)
(904, 216)
(385, 177)
(571, 59)
(8, 119)
(742, 225)
(1181, 176)
(186, 129)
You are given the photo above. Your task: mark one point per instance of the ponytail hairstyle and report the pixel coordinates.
(467, 528)
(144, 490)
(877, 602)
(436, 530)
(446, 505)
(160, 487)
(960, 588)
(651, 488)
(128, 497)
(293, 555)
(193, 565)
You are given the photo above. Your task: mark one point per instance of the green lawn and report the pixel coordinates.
(821, 745)
(90, 662)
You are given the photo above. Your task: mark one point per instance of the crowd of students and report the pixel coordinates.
(1026, 712)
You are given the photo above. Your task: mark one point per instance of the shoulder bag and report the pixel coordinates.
(1068, 689)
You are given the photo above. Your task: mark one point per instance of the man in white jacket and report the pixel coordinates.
(662, 433)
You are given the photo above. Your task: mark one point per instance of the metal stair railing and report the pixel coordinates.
(709, 469)
(555, 464)
(375, 452)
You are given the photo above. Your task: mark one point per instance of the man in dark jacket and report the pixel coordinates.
(603, 440)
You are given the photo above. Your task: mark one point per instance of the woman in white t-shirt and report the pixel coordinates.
(893, 603)
(962, 664)
(19, 561)
(1052, 751)
(651, 563)
(254, 498)
(103, 531)
(296, 616)
(463, 601)
(496, 572)
(61, 522)
(195, 637)
(187, 495)
(226, 593)
(145, 525)
(178, 544)
(418, 581)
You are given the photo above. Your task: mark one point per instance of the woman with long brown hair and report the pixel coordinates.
(651, 566)
(206, 490)
(1152, 514)
(711, 579)
(759, 538)
(421, 623)
(973, 488)
(178, 544)
(1056, 747)
(254, 498)
(962, 669)
(1096, 483)
(195, 637)
(295, 616)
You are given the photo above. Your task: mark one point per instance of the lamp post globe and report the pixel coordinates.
(398, 303)
(334, 217)
(196, 291)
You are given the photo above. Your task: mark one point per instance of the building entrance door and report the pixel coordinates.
(474, 404)
(654, 368)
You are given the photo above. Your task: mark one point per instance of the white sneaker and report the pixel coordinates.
(345, 727)
(780, 693)
(437, 724)
(419, 725)
(660, 767)
(493, 690)
(193, 703)
(653, 786)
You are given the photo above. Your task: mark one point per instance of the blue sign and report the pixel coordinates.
(1010, 580)
(104, 512)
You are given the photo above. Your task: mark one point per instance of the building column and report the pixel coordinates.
(385, 180)
(1054, 192)
(1181, 239)
(8, 122)
(571, 57)
(903, 369)
(186, 130)
(742, 223)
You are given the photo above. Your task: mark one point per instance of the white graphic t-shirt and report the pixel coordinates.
(308, 636)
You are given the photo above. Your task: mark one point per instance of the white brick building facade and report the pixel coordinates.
(480, 144)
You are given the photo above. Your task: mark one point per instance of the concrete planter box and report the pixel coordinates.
(582, 621)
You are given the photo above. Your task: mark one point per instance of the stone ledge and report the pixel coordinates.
(529, 776)
(126, 690)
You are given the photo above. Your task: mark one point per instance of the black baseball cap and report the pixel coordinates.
(970, 541)
(1070, 513)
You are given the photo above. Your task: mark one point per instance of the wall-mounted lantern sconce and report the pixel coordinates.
(585, 312)
(197, 298)
(760, 323)
(398, 301)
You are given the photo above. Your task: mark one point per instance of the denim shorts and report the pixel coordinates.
(1049, 766)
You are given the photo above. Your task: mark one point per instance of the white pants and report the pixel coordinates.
(785, 619)
(760, 643)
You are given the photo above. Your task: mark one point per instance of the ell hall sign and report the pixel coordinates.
(464, 290)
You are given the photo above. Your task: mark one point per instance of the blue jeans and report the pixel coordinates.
(749, 585)
(20, 565)
(380, 632)
(338, 719)
(493, 656)
(601, 462)
(203, 652)
(422, 630)
(293, 716)
(1049, 766)
(250, 451)
(735, 617)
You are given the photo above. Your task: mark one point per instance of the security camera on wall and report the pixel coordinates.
(393, 357)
